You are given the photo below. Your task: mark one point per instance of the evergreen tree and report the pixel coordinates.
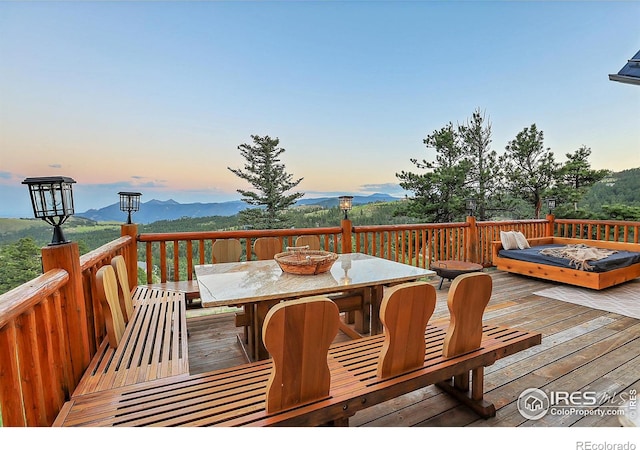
(19, 262)
(483, 176)
(529, 168)
(264, 171)
(575, 177)
(440, 191)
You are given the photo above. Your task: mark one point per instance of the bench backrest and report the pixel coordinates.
(298, 334)
(227, 250)
(405, 311)
(468, 297)
(267, 247)
(107, 288)
(124, 292)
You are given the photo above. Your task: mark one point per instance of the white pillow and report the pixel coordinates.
(508, 240)
(521, 240)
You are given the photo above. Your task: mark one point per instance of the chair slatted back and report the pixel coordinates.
(298, 334)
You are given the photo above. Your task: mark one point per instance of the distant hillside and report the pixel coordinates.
(156, 210)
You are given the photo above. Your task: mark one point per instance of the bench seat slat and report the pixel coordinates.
(154, 345)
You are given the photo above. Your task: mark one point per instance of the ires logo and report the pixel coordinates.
(534, 404)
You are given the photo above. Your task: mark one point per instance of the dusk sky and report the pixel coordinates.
(157, 96)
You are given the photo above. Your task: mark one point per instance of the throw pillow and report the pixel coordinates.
(508, 240)
(521, 240)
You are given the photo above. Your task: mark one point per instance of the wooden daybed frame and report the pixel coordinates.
(591, 280)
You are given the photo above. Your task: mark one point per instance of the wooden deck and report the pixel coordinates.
(583, 350)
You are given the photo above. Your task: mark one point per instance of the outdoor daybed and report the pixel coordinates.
(621, 266)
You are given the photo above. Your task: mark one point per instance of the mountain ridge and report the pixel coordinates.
(155, 210)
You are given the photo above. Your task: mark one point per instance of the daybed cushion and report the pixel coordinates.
(508, 240)
(512, 240)
(521, 240)
(616, 261)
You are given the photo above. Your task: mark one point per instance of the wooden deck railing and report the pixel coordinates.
(51, 326)
(50, 329)
(172, 256)
(601, 230)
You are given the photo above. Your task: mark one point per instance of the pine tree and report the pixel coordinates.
(440, 191)
(483, 176)
(264, 171)
(576, 177)
(529, 168)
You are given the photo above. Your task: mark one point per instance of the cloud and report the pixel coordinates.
(55, 166)
(6, 175)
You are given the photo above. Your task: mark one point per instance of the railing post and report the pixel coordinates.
(472, 243)
(550, 225)
(74, 310)
(131, 254)
(347, 226)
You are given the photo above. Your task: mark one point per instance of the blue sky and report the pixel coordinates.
(156, 96)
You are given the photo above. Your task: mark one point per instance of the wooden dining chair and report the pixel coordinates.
(267, 247)
(107, 288)
(298, 334)
(312, 241)
(405, 311)
(226, 250)
(124, 292)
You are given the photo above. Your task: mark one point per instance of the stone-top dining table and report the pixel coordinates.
(258, 285)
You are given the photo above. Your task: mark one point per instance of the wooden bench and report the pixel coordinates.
(362, 373)
(146, 334)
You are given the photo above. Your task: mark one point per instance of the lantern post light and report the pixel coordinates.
(52, 201)
(129, 203)
(551, 204)
(346, 203)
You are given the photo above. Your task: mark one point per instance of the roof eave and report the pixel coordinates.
(625, 79)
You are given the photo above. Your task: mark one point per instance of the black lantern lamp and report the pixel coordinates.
(129, 203)
(346, 203)
(52, 201)
(551, 204)
(471, 206)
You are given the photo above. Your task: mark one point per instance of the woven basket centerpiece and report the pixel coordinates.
(302, 261)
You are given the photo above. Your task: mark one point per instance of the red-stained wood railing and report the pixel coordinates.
(415, 244)
(50, 329)
(180, 252)
(600, 230)
(35, 361)
(487, 232)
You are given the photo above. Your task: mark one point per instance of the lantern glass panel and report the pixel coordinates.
(346, 203)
